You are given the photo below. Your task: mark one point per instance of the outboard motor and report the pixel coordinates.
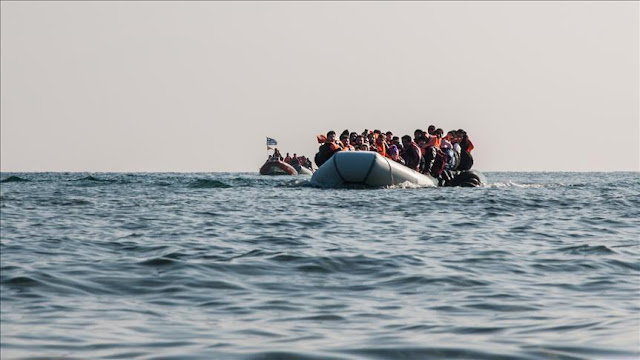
(462, 178)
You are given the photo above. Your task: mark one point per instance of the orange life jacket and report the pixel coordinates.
(380, 149)
(433, 141)
(335, 146)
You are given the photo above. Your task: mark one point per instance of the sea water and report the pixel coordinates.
(242, 266)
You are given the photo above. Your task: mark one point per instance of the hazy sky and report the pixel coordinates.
(197, 86)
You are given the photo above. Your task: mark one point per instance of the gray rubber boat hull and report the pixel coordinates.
(366, 168)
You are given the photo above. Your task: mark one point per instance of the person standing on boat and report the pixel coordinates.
(276, 155)
(287, 159)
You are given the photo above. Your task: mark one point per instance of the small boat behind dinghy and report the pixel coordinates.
(369, 168)
(277, 167)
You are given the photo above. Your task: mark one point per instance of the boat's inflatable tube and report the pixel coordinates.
(302, 170)
(276, 167)
(366, 168)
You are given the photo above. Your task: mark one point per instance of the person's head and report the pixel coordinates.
(344, 139)
(439, 133)
(287, 154)
(450, 135)
(376, 131)
(417, 133)
(359, 140)
(352, 137)
(393, 151)
(389, 136)
(431, 129)
(363, 147)
(422, 141)
(331, 136)
(395, 140)
(295, 155)
(406, 140)
(380, 140)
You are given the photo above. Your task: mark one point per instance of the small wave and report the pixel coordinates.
(516, 185)
(586, 249)
(409, 185)
(14, 179)
(208, 184)
(295, 183)
(424, 280)
(65, 202)
(159, 261)
(93, 178)
(21, 282)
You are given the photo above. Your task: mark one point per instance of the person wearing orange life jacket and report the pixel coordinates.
(381, 147)
(440, 158)
(433, 140)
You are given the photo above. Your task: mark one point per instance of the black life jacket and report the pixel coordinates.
(324, 153)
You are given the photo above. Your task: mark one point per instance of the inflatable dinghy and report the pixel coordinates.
(277, 167)
(366, 168)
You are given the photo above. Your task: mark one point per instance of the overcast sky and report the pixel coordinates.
(197, 86)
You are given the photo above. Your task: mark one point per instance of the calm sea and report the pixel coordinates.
(241, 266)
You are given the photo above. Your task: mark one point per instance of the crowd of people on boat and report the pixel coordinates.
(294, 160)
(428, 152)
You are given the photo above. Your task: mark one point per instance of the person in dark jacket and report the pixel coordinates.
(411, 153)
(326, 150)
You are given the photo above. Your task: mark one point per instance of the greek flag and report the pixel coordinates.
(271, 141)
